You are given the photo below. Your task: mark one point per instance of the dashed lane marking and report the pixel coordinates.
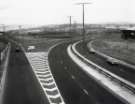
(85, 91)
(40, 65)
(73, 77)
(111, 85)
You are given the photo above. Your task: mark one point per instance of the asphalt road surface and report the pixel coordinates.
(120, 70)
(21, 84)
(75, 85)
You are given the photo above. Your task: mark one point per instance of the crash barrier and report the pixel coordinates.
(3, 53)
(119, 87)
(4, 64)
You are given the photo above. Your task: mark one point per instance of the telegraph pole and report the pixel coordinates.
(70, 24)
(83, 19)
(20, 27)
(3, 27)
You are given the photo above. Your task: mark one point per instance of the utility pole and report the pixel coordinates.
(83, 19)
(70, 24)
(3, 27)
(75, 26)
(20, 27)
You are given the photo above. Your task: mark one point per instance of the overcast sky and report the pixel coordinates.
(44, 12)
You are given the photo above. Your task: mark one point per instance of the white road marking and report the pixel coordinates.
(85, 91)
(40, 65)
(44, 76)
(112, 86)
(73, 77)
(31, 47)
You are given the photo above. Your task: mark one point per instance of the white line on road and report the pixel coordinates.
(85, 91)
(40, 65)
(110, 85)
(73, 77)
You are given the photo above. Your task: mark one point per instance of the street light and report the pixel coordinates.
(83, 22)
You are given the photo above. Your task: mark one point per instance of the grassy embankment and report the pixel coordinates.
(123, 50)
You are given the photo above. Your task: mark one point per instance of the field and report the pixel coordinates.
(41, 44)
(123, 50)
(108, 41)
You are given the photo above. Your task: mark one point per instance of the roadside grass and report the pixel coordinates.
(3, 43)
(110, 42)
(123, 50)
(41, 44)
(2, 46)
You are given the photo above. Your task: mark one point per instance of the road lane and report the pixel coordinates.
(21, 84)
(120, 70)
(76, 87)
(104, 78)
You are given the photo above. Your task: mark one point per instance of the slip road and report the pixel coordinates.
(75, 85)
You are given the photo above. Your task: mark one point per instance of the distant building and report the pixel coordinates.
(1, 32)
(128, 33)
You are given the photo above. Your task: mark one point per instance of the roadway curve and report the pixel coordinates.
(123, 71)
(75, 85)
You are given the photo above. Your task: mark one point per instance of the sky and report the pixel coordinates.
(46, 12)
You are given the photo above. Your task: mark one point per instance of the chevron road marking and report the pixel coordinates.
(40, 65)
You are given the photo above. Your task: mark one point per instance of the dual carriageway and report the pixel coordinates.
(64, 74)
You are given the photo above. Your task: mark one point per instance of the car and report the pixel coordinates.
(17, 49)
(91, 50)
(31, 47)
(112, 61)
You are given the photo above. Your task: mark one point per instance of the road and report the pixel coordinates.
(75, 85)
(21, 84)
(120, 70)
